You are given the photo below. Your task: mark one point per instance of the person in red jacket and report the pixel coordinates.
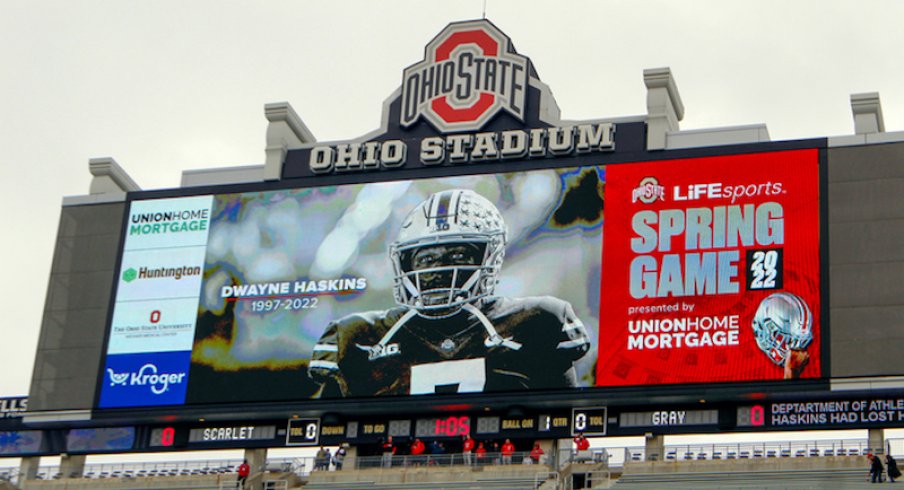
(581, 443)
(243, 471)
(467, 448)
(536, 453)
(508, 449)
(389, 450)
(417, 451)
(581, 447)
(481, 453)
(417, 448)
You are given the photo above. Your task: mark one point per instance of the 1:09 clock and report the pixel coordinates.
(451, 426)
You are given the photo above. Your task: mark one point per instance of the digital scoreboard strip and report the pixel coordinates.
(774, 415)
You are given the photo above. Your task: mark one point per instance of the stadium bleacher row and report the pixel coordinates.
(687, 466)
(786, 479)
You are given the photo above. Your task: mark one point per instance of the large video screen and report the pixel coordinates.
(702, 270)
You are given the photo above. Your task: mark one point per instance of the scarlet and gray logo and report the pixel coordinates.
(468, 75)
(648, 191)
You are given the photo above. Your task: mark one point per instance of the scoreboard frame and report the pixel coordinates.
(503, 399)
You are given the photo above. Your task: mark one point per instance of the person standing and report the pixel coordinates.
(417, 451)
(480, 453)
(388, 450)
(339, 457)
(536, 453)
(892, 467)
(875, 469)
(320, 459)
(243, 471)
(508, 449)
(467, 448)
(581, 448)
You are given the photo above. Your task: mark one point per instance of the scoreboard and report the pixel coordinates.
(593, 421)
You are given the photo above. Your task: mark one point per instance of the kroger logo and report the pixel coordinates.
(147, 375)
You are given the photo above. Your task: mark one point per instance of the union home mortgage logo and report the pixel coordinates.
(469, 74)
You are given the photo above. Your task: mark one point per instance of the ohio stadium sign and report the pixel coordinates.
(471, 99)
(469, 74)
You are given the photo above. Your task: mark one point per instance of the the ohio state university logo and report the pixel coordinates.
(469, 74)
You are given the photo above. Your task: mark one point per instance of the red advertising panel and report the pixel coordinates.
(711, 270)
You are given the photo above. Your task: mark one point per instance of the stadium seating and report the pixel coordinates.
(790, 479)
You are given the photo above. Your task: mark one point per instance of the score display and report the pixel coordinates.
(589, 421)
(751, 416)
(162, 437)
(452, 426)
(303, 432)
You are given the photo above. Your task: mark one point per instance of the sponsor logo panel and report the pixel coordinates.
(161, 274)
(13, 407)
(136, 380)
(153, 326)
(165, 223)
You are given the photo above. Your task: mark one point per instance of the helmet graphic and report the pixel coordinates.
(448, 253)
(782, 322)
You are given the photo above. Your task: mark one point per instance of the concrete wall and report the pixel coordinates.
(75, 311)
(866, 259)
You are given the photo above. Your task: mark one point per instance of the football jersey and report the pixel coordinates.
(530, 343)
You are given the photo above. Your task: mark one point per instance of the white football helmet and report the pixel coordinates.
(782, 322)
(449, 218)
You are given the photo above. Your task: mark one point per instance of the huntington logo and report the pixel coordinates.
(469, 74)
(129, 275)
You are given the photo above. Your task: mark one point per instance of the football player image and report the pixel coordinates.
(783, 327)
(449, 332)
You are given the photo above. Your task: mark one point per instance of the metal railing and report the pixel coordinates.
(544, 476)
(276, 485)
(300, 466)
(617, 457)
(748, 450)
(590, 456)
(455, 459)
(895, 447)
(594, 479)
(10, 474)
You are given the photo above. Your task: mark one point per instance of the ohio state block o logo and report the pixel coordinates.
(468, 75)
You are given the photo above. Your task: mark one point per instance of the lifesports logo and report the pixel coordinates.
(719, 190)
(469, 74)
(145, 379)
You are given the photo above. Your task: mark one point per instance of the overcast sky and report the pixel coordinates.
(164, 86)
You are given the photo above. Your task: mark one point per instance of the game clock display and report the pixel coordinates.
(452, 426)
